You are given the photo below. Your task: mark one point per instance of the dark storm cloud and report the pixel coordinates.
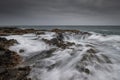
(59, 12)
(102, 6)
(16, 6)
(12, 6)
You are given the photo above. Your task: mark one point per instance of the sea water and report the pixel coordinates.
(92, 57)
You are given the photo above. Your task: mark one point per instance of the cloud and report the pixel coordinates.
(12, 6)
(21, 6)
(60, 11)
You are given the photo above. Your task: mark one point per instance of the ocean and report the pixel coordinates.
(69, 55)
(99, 29)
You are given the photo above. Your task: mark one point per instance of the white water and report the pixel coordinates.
(67, 64)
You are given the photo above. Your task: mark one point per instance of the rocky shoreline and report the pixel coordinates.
(10, 61)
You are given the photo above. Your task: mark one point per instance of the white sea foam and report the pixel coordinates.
(104, 64)
(27, 44)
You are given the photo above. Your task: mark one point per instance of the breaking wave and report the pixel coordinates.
(69, 55)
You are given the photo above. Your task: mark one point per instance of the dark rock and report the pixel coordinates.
(15, 74)
(40, 55)
(8, 61)
(21, 51)
(63, 31)
(46, 54)
(2, 70)
(39, 33)
(60, 37)
(90, 56)
(9, 58)
(7, 43)
(106, 59)
(58, 42)
(83, 69)
(15, 31)
(92, 51)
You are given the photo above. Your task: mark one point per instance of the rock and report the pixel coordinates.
(8, 61)
(7, 43)
(15, 74)
(58, 42)
(91, 56)
(60, 37)
(39, 33)
(2, 70)
(15, 31)
(106, 59)
(63, 31)
(46, 54)
(9, 58)
(92, 50)
(85, 33)
(21, 51)
(83, 69)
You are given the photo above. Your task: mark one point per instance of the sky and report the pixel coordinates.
(59, 12)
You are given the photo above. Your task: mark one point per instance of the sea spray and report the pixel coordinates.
(93, 56)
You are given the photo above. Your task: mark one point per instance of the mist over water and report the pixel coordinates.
(93, 56)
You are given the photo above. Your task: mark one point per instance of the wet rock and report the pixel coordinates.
(91, 56)
(88, 45)
(39, 33)
(58, 42)
(70, 43)
(2, 70)
(40, 55)
(9, 58)
(92, 50)
(7, 43)
(15, 73)
(48, 53)
(15, 31)
(63, 31)
(83, 69)
(21, 50)
(86, 33)
(8, 61)
(106, 59)
(60, 37)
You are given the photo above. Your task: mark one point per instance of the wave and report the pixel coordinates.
(69, 55)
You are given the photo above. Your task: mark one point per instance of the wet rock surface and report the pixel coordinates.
(68, 51)
(63, 31)
(58, 43)
(15, 31)
(58, 31)
(7, 43)
(9, 60)
(14, 73)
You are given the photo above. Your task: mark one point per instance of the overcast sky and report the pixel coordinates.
(59, 12)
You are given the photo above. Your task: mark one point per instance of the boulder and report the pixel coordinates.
(9, 58)
(15, 73)
(63, 31)
(15, 31)
(7, 43)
